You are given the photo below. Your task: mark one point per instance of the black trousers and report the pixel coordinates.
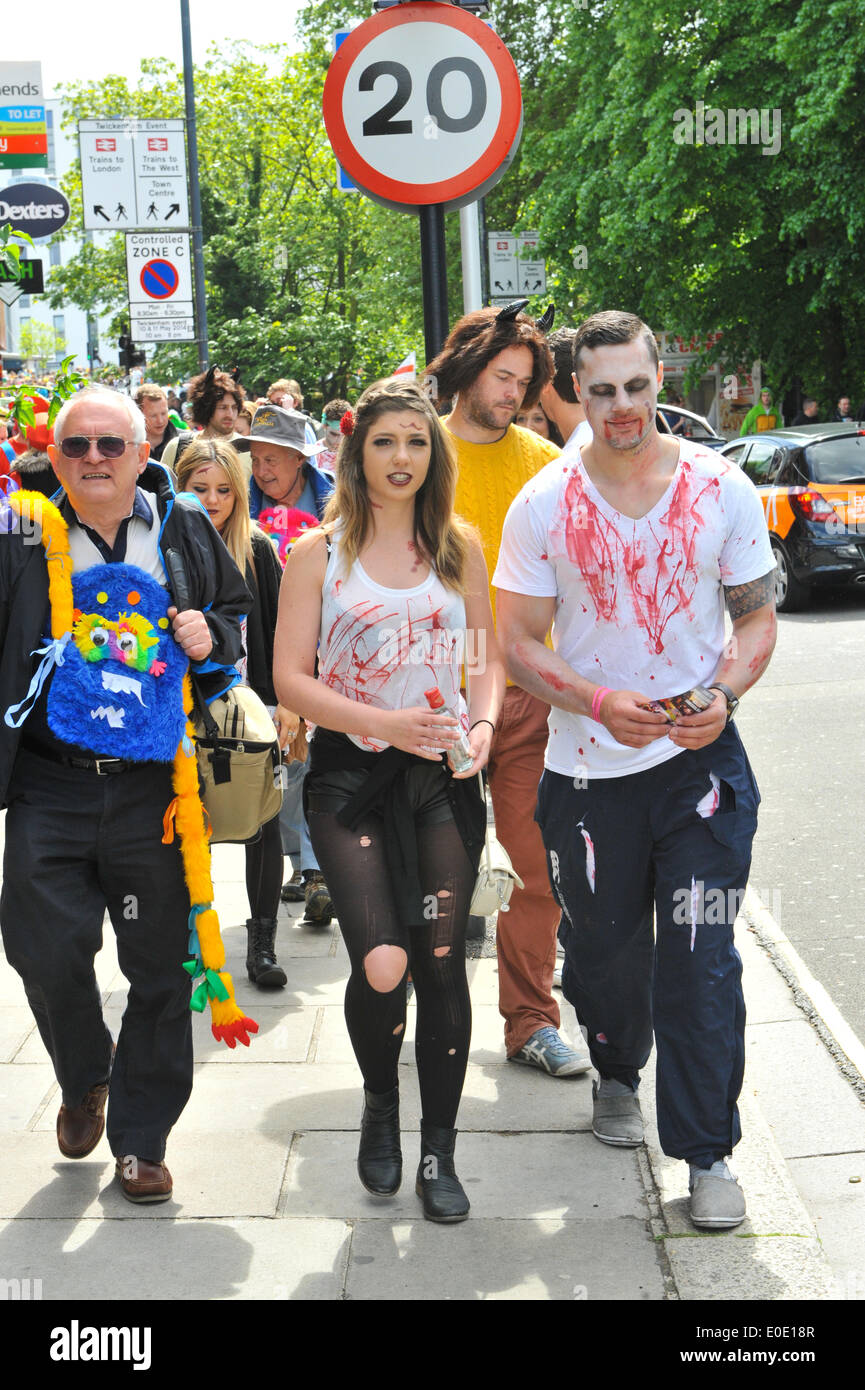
(76, 844)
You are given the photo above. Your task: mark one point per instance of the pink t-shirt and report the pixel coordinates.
(385, 647)
(639, 603)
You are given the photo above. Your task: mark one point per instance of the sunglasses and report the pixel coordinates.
(110, 446)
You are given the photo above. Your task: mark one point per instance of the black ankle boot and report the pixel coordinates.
(437, 1183)
(379, 1158)
(261, 966)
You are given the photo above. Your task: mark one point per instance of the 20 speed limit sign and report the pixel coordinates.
(422, 104)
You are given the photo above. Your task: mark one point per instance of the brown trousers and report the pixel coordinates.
(526, 934)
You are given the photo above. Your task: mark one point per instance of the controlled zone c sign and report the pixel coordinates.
(422, 104)
(159, 275)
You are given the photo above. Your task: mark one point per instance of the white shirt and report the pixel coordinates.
(639, 603)
(386, 647)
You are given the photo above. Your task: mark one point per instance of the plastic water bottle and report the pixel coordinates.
(459, 754)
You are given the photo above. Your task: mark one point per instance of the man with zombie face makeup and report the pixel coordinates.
(631, 545)
(88, 779)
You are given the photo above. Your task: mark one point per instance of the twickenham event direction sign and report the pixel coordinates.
(422, 105)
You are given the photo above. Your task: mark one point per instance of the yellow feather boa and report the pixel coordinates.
(186, 813)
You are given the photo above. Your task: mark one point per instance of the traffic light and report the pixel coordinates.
(130, 355)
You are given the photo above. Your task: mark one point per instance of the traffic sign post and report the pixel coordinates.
(133, 174)
(502, 255)
(159, 277)
(423, 108)
(531, 272)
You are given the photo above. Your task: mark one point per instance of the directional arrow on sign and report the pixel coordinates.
(175, 207)
(98, 208)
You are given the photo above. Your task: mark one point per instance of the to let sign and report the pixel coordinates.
(422, 105)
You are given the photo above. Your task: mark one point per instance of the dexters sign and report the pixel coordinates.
(422, 105)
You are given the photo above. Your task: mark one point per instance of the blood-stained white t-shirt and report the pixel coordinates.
(386, 647)
(639, 603)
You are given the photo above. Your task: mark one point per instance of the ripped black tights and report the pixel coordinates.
(353, 864)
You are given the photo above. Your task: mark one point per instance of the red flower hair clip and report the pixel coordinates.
(346, 424)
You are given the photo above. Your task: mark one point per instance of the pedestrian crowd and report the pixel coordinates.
(501, 577)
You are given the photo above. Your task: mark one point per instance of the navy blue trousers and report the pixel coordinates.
(649, 889)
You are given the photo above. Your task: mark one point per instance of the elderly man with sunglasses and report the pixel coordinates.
(84, 833)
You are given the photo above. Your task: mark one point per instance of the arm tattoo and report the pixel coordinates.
(744, 598)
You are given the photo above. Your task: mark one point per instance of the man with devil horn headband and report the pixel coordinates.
(494, 362)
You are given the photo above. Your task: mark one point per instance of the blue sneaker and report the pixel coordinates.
(547, 1050)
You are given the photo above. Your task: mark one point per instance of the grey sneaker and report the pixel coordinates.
(717, 1200)
(616, 1115)
(547, 1050)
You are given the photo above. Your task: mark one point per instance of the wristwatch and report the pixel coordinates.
(732, 700)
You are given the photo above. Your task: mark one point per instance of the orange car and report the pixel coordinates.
(811, 481)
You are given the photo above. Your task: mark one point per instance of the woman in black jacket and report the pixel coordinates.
(212, 470)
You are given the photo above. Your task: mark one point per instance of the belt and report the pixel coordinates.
(103, 767)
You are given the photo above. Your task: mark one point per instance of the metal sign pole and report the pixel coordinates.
(194, 192)
(471, 258)
(434, 277)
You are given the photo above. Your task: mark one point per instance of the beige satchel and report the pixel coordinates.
(497, 876)
(239, 763)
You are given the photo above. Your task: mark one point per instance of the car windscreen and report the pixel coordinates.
(837, 460)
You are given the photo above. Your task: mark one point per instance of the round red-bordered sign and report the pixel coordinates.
(422, 104)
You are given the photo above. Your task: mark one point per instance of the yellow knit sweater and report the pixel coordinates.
(490, 476)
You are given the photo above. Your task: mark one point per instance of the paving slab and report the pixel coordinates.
(768, 997)
(540, 1176)
(514, 1260)
(240, 1177)
(811, 1108)
(178, 1260)
(23, 1092)
(16, 1026)
(723, 1268)
(774, 1254)
(833, 1188)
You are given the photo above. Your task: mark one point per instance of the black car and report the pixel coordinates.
(811, 481)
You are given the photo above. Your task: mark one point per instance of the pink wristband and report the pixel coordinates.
(598, 700)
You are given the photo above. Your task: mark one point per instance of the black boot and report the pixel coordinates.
(261, 966)
(379, 1158)
(437, 1183)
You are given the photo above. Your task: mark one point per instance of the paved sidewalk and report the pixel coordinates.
(268, 1205)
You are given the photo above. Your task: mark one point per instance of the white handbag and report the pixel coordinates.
(496, 875)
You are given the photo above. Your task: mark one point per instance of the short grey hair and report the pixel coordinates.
(103, 395)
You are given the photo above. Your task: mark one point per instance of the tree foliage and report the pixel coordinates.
(695, 237)
(768, 248)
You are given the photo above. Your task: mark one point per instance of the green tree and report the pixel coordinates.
(39, 342)
(767, 248)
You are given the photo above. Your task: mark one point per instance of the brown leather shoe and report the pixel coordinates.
(143, 1181)
(80, 1127)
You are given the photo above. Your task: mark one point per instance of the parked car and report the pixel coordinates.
(811, 481)
(694, 427)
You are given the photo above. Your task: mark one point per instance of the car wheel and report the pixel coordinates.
(790, 593)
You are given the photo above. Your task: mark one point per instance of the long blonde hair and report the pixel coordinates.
(237, 532)
(441, 535)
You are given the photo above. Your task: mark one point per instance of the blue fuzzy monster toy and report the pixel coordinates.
(119, 688)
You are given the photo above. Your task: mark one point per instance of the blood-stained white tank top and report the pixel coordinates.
(385, 647)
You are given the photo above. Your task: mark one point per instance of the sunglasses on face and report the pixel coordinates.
(110, 446)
